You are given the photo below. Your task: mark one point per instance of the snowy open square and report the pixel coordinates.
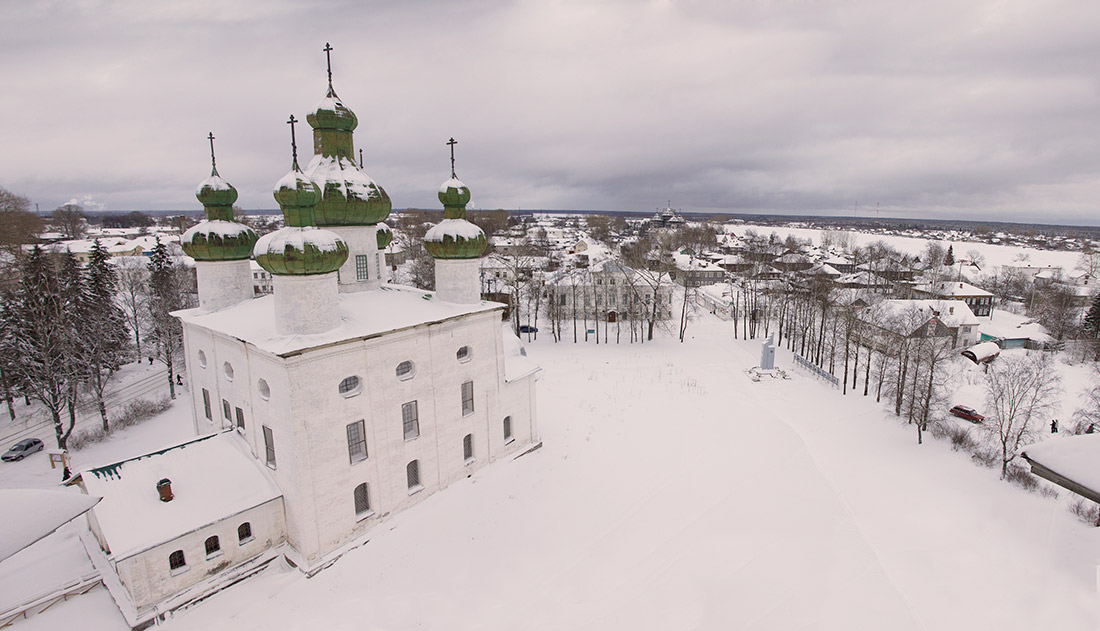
(674, 493)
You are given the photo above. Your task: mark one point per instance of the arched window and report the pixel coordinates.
(176, 560)
(244, 532)
(507, 429)
(212, 545)
(405, 370)
(362, 499)
(468, 447)
(350, 386)
(412, 474)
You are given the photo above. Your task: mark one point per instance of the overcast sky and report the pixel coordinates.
(974, 109)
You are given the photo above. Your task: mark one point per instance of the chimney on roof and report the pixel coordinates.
(164, 487)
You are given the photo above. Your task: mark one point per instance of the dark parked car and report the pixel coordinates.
(22, 449)
(969, 414)
(527, 328)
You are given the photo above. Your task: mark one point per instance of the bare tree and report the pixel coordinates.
(133, 295)
(69, 221)
(1020, 390)
(18, 225)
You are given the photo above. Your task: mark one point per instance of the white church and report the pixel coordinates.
(319, 410)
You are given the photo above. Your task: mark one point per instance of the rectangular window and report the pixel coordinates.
(240, 418)
(410, 420)
(227, 410)
(357, 441)
(361, 267)
(206, 404)
(467, 398)
(269, 447)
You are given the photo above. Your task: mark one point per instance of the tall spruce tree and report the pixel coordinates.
(166, 296)
(106, 338)
(39, 325)
(949, 258)
(1092, 326)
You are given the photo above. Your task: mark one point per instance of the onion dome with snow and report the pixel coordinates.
(218, 238)
(454, 237)
(216, 192)
(384, 236)
(301, 248)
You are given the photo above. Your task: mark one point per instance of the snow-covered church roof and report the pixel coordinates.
(362, 314)
(213, 477)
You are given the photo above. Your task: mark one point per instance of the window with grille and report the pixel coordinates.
(350, 386)
(240, 418)
(362, 499)
(176, 560)
(412, 474)
(357, 441)
(361, 267)
(410, 420)
(206, 404)
(405, 370)
(467, 398)
(468, 447)
(269, 447)
(212, 545)
(244, 532)
(507, 428)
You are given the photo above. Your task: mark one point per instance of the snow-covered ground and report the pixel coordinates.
(674, 492)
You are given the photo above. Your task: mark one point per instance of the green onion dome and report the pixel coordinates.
(301, 248)
(384, 236)
(331, 113)
(454, 237)
(300, 251)
(454, 194)
(214, 191)
(349, 196)
(218, 240)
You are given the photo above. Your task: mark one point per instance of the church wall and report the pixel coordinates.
(309, 417)
(149, 579)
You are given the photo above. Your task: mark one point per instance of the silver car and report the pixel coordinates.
(22, 449)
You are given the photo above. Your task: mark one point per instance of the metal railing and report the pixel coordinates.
(818, 372)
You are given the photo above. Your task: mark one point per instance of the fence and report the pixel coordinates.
(817, 371)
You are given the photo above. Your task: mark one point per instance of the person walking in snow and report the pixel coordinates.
(1054, 426)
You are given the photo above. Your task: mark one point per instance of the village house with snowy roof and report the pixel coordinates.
(979, 300)
(323, 408)
(922, 318)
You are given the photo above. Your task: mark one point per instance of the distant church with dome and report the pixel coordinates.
(322, 409)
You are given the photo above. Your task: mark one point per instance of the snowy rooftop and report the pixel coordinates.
(1008, 325)
(39, 513)
(953, 313)
(953, 289)
(363, 314)
(133, 518)
(1076, 458)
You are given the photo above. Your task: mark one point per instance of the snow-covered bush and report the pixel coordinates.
(1086, 510)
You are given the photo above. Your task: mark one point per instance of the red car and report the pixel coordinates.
(969, 414)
